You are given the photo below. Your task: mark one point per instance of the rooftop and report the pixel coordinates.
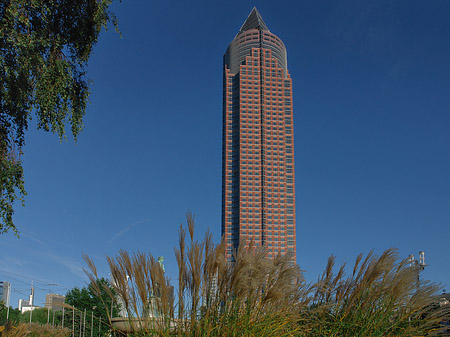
(254, 21)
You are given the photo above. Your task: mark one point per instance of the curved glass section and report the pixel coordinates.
(242, 46)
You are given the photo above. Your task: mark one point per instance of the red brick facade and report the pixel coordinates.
(258, 198)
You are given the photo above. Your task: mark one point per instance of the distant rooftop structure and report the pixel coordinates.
(54, 301)
(25, 305)
(253, 21)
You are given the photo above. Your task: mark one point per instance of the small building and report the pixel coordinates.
(25, 305)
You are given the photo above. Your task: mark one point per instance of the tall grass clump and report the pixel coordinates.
(254, 296)
(381, 297)
(35, 330)
(257, 296)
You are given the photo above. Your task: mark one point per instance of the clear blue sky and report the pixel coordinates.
(372, 138)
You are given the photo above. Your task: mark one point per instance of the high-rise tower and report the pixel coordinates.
(258, 182)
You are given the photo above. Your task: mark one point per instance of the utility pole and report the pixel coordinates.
(8, 302)
(81, 321)
(31, 301)
(84, 324)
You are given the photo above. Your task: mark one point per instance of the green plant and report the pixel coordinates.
(44, 50)
(95, 299)
(38, 315)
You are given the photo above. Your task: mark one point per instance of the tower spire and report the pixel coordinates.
(253, 21)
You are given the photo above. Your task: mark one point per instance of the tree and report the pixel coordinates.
(14, 314)
(95, 298)
(39, 315)
(44, 48)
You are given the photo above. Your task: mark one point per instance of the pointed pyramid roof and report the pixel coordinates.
(253, 21)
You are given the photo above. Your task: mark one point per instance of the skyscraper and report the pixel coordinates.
(258, 194)
(5, 292)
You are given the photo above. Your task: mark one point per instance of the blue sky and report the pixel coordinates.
(371, 90)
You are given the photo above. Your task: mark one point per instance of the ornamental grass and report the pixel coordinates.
(258, 296)
(34, 330)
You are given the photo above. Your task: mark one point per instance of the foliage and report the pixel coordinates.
(44, 49)
(256, 296)
(38, 315)
(97, 299)
(14, 314)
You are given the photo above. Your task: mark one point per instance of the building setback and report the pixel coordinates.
(258, 181)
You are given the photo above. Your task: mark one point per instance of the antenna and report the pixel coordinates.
(411, 260)
(418, 265)
(32, 295)
(422, 259)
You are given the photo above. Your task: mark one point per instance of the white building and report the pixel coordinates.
(25, 305)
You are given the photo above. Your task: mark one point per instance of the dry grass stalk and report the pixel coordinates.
(381, 297)
(35, 330)
(257, 296)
